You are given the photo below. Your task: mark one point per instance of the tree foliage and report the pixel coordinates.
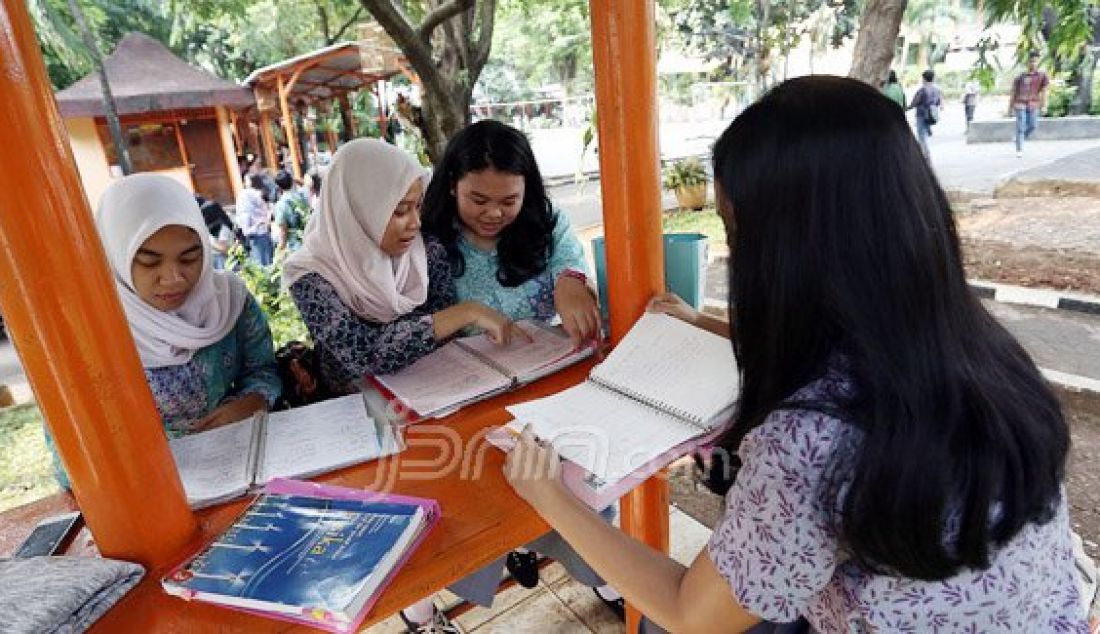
(1067, 32)
(228, 37)
(750, 35)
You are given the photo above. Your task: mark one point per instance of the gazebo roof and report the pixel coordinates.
(323, 73)
(146, 77)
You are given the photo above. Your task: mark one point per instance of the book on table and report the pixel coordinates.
(307, 553)
(667, 388)
(226, 462)
(470, 369)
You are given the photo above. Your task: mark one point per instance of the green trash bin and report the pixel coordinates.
(685, 267)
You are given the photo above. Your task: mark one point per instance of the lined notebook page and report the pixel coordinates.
(607, 434)
(445, 378)
(667, 361)
(523, 359)
(213, 464)
(308, 440)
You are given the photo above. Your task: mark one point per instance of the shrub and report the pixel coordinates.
(687, 172)
(265, 284)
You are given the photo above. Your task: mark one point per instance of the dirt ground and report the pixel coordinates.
(1037, 242)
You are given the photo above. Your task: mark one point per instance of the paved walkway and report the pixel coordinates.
(1062, 341)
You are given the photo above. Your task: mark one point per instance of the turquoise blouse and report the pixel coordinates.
(535, 297)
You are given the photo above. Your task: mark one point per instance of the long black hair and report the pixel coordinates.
(525, 245)
(843, 246)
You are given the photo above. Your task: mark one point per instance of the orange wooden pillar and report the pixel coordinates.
(267, 139)
(60, 305)
(624, 50)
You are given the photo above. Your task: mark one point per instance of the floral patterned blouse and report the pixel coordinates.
(777, 548)
(243, 362)
(535, 297)
(350, 347)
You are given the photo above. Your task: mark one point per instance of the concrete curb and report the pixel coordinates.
(1041, 297)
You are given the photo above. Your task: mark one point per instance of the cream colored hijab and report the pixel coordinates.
(134, 208)
(367, 180)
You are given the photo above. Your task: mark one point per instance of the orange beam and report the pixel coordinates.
(624, 45)
(288, 125)
(63, 313)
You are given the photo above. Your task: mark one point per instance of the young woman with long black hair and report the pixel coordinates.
(902, 458)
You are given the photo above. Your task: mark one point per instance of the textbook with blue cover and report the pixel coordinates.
(299, 554)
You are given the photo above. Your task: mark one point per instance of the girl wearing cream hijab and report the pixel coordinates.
(374, 294)
(202, 338)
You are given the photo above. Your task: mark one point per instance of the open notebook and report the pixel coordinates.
(470, 369)
(225, 463)
(663, 390)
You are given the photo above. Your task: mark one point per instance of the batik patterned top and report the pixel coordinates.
(535, 297)
(778, 549)
(243, 362)
(350, 347)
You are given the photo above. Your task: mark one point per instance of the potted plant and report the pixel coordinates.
(688, 179)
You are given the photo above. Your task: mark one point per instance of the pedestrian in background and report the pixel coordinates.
(926, 101)
(970, 101)
(893, 90)
(1029, 97)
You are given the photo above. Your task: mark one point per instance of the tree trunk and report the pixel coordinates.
(447, 51)
(878, 34)
(109, 110)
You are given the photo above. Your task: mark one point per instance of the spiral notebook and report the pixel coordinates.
(664, 389)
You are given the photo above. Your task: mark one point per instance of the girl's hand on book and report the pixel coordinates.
(671, 305)
(231, 412)
(497, 327)
(534, 471)
(575, 303)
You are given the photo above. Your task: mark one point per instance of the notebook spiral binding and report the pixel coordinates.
(673, 413)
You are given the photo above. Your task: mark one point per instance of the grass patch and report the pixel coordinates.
(705, 221)
(26, 467)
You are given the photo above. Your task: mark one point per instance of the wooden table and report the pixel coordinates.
(447, 460)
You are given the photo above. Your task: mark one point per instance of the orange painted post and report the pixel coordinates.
(289, 128)
(60, 305)
(624, 51)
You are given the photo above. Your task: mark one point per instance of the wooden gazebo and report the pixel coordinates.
(176, 118)
(319, 79)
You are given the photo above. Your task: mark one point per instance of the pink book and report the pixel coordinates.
(308, 553)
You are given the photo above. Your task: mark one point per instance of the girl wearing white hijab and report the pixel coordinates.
(205, 344)
(374, 294)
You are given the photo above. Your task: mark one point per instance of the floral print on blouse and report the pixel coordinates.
(534, 299)
(243, 362)
(778, 549)
(350, 347)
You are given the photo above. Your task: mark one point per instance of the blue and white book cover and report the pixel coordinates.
(304, 553)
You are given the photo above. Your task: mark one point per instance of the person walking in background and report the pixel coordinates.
(291, 212)
(1029, 96)
(926, 102)
(892, 89)
(254, 220)
(970, 101)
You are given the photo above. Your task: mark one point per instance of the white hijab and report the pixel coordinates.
(134, 208)
(367, 180)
